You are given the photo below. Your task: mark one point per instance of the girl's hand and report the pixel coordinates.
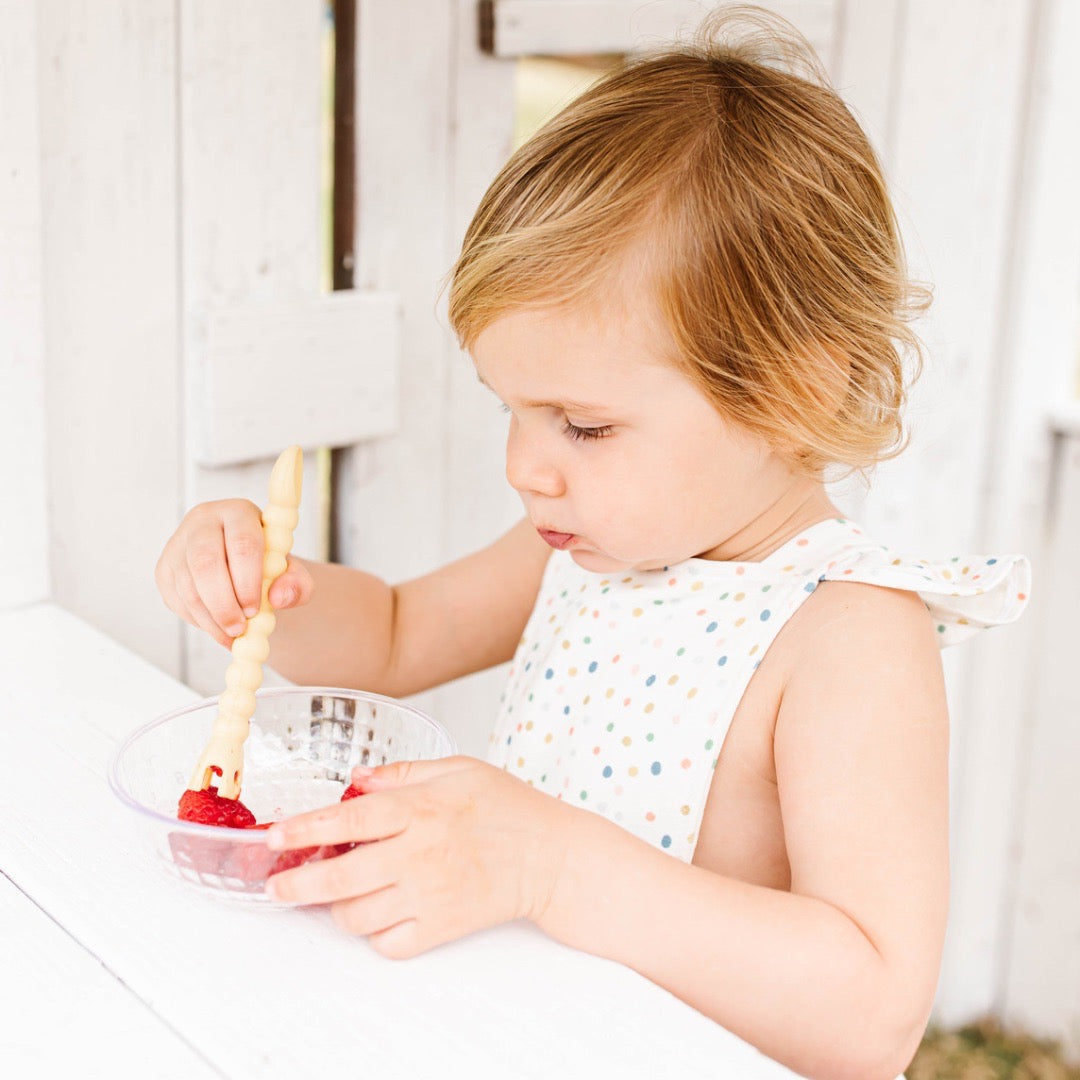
(210, 571)
(448, 847)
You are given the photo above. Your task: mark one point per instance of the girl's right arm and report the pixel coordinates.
(337, 626)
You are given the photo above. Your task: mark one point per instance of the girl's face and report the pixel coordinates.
(617, 455)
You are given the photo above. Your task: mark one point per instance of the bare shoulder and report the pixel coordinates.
(863, 648)
(842, 607)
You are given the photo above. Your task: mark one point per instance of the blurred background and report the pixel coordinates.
(224, 228)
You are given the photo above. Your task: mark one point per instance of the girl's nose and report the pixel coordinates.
(529, 467)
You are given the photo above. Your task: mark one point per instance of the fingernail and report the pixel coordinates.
(363, 772)
(237, 629)
(251, 611)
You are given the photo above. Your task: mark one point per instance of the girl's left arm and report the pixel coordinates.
(835, 978)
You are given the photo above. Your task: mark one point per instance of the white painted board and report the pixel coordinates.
(250, 99)
(107, 86)
(323, 369)
(75, 1017)
(1042, 989)
(298, 997)
(581, 27)
(24, 567)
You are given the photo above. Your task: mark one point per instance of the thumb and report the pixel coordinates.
(293, 588)
(400, 773)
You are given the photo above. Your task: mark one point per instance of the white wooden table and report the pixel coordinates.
(110, 967)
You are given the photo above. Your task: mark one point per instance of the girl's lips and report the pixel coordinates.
(556, 539)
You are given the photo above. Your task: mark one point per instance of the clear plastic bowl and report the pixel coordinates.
(304, 743)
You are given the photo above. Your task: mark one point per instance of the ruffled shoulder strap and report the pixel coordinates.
(964, 593)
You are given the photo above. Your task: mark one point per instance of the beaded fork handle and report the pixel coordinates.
(224, 753)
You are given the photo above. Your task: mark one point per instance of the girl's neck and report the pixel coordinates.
(803, 504)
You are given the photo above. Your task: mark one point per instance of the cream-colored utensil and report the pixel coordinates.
(224, 753)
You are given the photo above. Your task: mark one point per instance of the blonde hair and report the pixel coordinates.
(772, 246)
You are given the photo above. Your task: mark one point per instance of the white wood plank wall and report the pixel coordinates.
(109, 288)
(250, 83)
(1041, 960)
(24, 569)
(1037, 501)
(390, 492)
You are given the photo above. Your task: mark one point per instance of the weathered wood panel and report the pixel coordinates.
(1042, 969)
(517, 28)
(344, 345)
(107, 78)
(24, 567)
(389, 493)
(251, 188)
(1033, 504)
(53, 985)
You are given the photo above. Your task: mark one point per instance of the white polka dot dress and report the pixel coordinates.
(623, 686)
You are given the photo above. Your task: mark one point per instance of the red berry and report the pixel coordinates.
(351, 792)
(209, 808)
(287, 860)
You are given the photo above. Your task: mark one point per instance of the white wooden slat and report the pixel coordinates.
(251, 186)
(957, 125)
(954, 164)
(1065, 418)
(74, 1016)
(24, 568)
(1034, 487)
(342, 351)
(389, 494)
(107, 82)
(285, 993)
(864, 67)
(1042, 989)
(393, 489)
(579, 27)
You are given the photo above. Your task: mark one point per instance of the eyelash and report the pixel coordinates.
(574, 432)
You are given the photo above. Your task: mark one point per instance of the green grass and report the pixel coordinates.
(983, 1051)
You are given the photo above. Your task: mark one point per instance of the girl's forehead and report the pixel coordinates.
(595, 336)
(577, 358)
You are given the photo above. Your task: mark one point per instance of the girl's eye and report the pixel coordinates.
(575, 432)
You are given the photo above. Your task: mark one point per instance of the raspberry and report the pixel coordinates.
(287, 860)
(351, 792)
(209, 808)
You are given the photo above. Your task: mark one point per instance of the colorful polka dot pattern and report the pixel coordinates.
(622, 688)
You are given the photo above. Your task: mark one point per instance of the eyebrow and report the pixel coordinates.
(569, 406)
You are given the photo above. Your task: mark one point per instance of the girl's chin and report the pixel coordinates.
(596, 561)
(600, 563)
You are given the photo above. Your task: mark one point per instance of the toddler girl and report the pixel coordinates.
(721, 757)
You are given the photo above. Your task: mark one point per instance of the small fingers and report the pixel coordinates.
(372, 817)
(359, 872)
(193, 610)
(244, 559)
(370, 914)
(209, 570)
(293, 587)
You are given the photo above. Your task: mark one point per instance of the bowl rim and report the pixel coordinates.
(249, 836)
